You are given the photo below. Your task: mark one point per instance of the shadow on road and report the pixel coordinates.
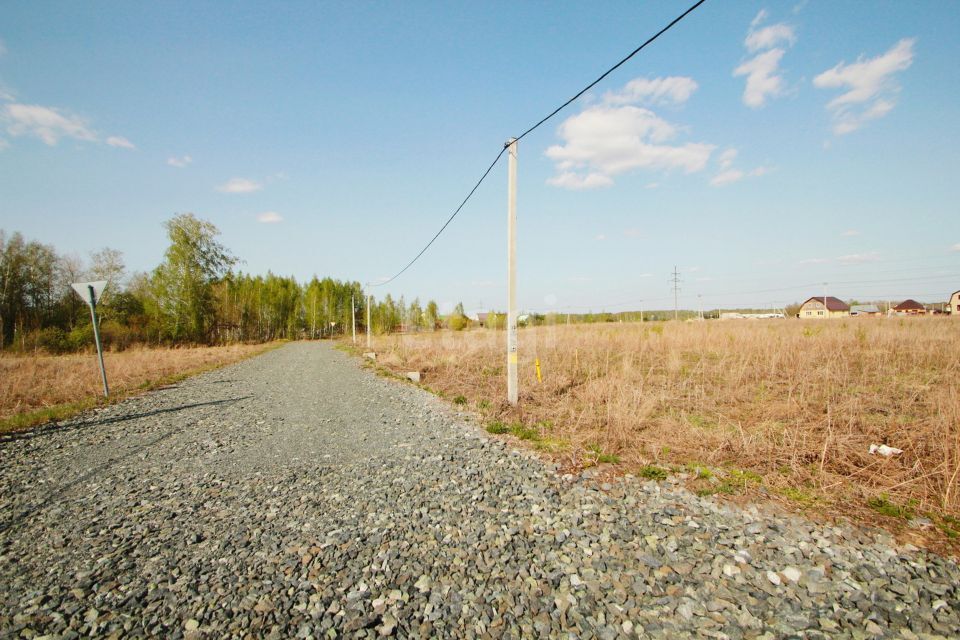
(67, 426)
(57, 494)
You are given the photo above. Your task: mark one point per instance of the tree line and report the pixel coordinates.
(194, 296)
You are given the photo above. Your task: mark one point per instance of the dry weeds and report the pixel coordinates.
(31, 385)
(797, 403)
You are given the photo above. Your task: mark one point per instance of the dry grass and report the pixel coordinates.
(34, 389)
(793, 405)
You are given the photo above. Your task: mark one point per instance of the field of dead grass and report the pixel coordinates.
(789, 406)
(37, 388)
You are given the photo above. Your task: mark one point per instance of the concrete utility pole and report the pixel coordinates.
(369, 326)
(826, 312)
(512, 392)
(676, 289)
(700, 300)
(641, 312)
(353, 317)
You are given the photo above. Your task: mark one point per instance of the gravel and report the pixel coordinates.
(296, 495)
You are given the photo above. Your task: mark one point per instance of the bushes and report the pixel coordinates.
(54, 340)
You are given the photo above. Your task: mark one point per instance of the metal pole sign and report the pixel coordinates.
(90, 292)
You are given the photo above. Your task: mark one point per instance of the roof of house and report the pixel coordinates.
(864, 308)
(908, 305)
(833, 304)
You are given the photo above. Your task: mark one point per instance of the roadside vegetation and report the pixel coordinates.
(785, 408)
(41, 388)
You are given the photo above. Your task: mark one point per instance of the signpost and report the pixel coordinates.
(90, 292)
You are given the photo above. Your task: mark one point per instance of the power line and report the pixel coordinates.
(534, 127)
(449, 220)
(613, 68)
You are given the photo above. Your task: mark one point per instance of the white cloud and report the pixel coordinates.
(850, 233)
(859, 258)
(769, 37)
(763, 80)
(179, 163)
(604, 141)
(269, 217)
(239, 185)
(45, 123)
(633, 233)
(570, 180)
(869, 86)
(729, 176)
(955, 247)
(6, 93)
(121, 142)
(672, 89)
(853, 258)
(4, 143)
(651, 185)
(726, 158)
(600, 237)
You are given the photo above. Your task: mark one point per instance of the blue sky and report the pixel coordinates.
(762, 148)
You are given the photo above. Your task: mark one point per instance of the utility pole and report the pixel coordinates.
(826, 311)
(641, 312)
(512, 393)
(369, 326)
(676, 289)
(700, 300)
(353, 317)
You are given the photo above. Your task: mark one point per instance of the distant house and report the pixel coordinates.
(865, 310)
(910, 308)
(814, 308)
(480, 318)
(955, 304)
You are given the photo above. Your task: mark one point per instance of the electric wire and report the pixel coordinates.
(619, 64)
(613, 68)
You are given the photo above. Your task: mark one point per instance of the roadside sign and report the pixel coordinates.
(83, 290)
(90, 292)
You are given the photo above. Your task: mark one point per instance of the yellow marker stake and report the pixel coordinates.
(539, 377)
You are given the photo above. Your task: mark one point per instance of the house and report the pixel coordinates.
(814, 308)
(954, 306)
(480, 317)
(910, 308)
(865, 310)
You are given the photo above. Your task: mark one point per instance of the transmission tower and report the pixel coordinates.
(675, 281)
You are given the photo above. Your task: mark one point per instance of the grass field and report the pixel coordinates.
(785, 407)
(35, 389)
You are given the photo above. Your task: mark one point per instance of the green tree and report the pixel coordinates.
(181, 287)
(458, 319)
(432, 315)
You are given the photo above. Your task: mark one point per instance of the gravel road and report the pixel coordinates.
(296, 495)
